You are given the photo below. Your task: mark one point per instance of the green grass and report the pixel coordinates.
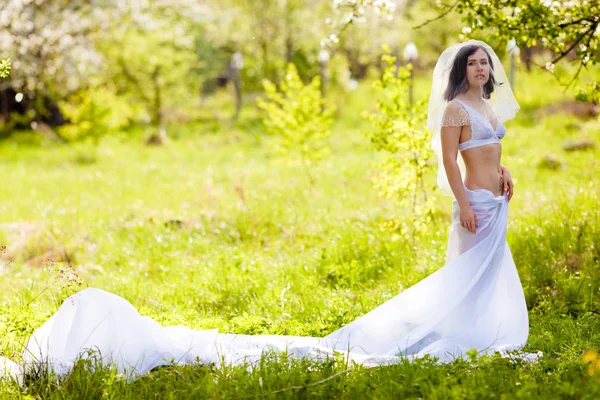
(215, 231)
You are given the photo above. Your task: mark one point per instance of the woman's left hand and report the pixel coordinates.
(508, 183)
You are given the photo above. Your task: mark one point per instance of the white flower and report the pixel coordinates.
(384, 6)
(348, 18)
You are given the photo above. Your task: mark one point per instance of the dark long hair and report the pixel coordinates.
(458, 83)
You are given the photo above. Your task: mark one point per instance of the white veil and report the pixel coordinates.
(502, 100)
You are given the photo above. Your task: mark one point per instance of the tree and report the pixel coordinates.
(272, 33)
(349, 12)
(567, 28)
(269, 34)
(150, 68)
(60, 48)
(400, 132)
(50, 45)
(298, 116)
(150, 55)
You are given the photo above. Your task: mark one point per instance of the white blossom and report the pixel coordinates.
(54, 42)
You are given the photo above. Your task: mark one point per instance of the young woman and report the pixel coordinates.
(474, 301)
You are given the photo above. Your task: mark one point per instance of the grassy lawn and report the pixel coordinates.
(213, 230)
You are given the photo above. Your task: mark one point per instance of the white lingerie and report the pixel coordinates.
(482, 131)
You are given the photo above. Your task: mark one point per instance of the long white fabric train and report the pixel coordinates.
(474, 301)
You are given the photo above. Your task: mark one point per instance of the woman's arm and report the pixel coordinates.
(450, 136)
(508, 182)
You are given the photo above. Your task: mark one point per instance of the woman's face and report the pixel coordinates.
(478, 69)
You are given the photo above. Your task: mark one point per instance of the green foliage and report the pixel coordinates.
(62, 48)
(51, 43)
(270, 34)
(298, 116)
(4, 68)
(94, 113)
(589, 92)
(401, 133)
(153, 69)
(560, 26)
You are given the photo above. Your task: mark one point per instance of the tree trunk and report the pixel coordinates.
(157, 117)
(289, 41)
(4, 101)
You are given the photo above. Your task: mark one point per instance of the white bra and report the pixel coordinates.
(482, 131)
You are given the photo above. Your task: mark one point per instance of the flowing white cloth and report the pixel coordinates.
(474, 301)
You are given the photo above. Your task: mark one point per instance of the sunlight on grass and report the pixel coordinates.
(215, 231)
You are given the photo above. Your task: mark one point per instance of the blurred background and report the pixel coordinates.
(86, 69)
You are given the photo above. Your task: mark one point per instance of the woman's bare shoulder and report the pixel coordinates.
(455, 114)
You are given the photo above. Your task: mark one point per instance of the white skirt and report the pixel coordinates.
(474, 301)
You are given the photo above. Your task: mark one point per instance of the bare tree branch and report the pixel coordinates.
(581, 64)
(592, 28)
(595, 20)
(442, 15)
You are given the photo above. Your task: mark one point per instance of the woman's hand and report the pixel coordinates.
(468, 219)
(508, 182)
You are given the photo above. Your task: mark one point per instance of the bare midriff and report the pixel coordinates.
(483, 168)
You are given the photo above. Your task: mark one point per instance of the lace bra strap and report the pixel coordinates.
(456, 115)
